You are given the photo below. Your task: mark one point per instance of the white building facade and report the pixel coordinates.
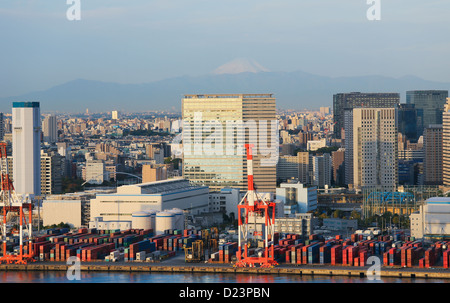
(158, 196)
(297, 198)
(26, 147)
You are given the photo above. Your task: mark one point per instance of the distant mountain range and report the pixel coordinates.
(292, 90)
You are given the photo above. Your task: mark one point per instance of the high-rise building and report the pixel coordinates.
(343, 101)
(373, 147)
(431, 103)
(26, 146)
(409, 118)
(337, 159)
(446, 144)
(2, 127)
(215, 129)
(51, 177)
(321, 166)
(432, 162)
(50, 129)
(114, 115)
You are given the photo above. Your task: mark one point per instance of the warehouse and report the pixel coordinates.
(71, 208)
(432, 220)
(158, 196)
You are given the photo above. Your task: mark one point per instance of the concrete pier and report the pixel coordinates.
(200, 268)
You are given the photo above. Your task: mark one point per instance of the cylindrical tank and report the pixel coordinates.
(164, 220)
(179, 218)
(140, 220)
(152, 213)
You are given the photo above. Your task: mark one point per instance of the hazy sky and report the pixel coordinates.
(134, 41)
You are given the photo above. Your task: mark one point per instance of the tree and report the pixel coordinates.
(337, 213)
(395, 220)
(354, 215)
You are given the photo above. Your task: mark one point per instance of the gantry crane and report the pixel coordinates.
(195, 252)
(10, 202)
(256, 220)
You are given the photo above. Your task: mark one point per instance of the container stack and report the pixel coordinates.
(141, 248)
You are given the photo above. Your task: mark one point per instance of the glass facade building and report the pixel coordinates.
(431, 103)
(215, 129)
(409, 118)
(348, 101)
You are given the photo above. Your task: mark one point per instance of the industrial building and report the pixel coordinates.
(301, 224)
(226, 200)
(72, 208)
(340, 224)
(158, 195)
(432, 220)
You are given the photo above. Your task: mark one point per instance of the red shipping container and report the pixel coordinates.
(362, 258)
(386, 258)
(299, 256)
(445, 258)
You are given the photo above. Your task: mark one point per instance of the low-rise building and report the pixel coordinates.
(296, 197)
(432, 220)
(158, 195)
(300, 224)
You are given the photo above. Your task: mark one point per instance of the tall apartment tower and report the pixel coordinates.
(215, 129)
(50, 129)
(430, 103)
(446, 144)
(373, 148)
(337, 159)
(51, 177)
(322, 167)
(348, 101)
(26, 145)
(432, 162)
(2, 127)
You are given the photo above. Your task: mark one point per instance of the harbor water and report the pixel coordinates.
(108, 277)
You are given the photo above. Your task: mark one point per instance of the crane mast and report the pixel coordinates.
(256, 221)
(11, 203)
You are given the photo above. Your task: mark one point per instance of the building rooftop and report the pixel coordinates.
(229, 96)
(158, 187)
(437, 200)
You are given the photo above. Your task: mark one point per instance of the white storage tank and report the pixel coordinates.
(152, 213)
(140, 220)
(179, 218)
(164, 220)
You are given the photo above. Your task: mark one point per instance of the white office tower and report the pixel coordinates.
(371, 147)
(49, 128)
(26, 120)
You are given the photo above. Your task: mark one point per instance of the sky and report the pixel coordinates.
(138, 41)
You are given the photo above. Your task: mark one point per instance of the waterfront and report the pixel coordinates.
(137, 277)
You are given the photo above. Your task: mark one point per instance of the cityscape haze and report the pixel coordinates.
(240, 138)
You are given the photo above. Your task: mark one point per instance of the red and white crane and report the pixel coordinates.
(256, 221)
(11, 203)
